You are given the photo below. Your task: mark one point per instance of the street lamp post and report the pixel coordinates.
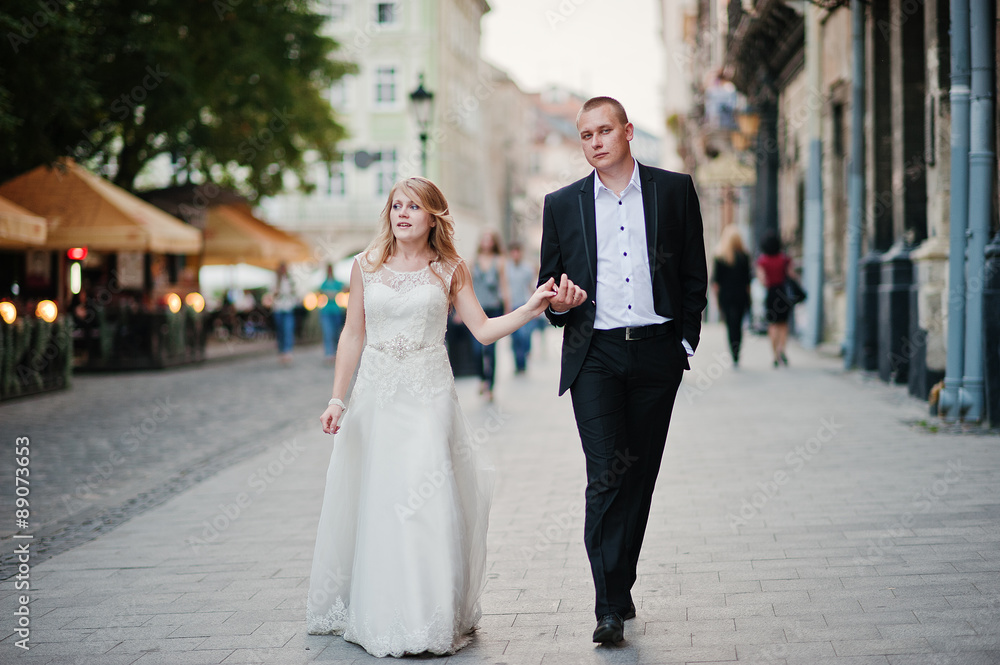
(423, 103)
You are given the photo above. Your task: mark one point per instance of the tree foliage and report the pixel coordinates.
(231, 89)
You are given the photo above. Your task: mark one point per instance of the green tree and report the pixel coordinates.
(47, 96)
(231, 89)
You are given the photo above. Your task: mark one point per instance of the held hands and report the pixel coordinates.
(568, 295)
(330, 418)
(541, 297)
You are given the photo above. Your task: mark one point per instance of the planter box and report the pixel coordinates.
(35, 356)
(121, 338)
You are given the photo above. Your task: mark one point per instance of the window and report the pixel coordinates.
(336, 184)
(336, 10)
(338, 94)
(837, 113)
(385, 85)
(385, 172)
(386, 13)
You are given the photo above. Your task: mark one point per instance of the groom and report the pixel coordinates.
(625, 245)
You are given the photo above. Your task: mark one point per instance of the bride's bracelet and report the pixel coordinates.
(338, 402)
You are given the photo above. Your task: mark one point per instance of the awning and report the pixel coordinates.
(20, 228)
(233, 235)
(725, 170)
(85, 210)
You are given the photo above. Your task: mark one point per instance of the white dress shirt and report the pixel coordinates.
(624, 288)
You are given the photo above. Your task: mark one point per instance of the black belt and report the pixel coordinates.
(632, 333)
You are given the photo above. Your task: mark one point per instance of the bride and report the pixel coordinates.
(401, 545)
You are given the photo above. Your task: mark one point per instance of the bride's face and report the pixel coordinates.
(410, 221)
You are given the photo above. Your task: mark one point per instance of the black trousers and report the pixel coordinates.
(734, 325)
(622, 400)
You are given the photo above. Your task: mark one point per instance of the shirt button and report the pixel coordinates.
(619, 203)
(623, 228)
(630, 306)
(626, 280)
(625, 253)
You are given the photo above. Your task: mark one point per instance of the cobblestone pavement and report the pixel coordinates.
(804, 516)
(116, 444)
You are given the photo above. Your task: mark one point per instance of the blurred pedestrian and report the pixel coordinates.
(331, 316)
(773, 268)
(489, 282)
(283, 304)
(731, 285)
(84, 318)
(521, 279)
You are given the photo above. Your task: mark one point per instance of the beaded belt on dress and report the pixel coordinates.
(399, 347)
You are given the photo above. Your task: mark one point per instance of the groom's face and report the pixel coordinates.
(605, 140)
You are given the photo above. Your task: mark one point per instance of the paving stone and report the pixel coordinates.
(783, 651)
(843, 660)
(68, 648)
(197, 629)
(730, 611)
(619, 656)
(189, 658)
(882, 646)
(274, 656)
(963, 658)
(243, 641)
(983, 642)
(875, 618)
(657, 649)
(103, 659)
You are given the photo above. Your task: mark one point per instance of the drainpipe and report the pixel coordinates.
(812, 269)
(949, 401)
(856, 182)
(981, 158)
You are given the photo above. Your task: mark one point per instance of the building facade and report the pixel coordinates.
(396, 47)
(795, 64)
(703, 109)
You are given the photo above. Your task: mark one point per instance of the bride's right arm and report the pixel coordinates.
(352, 341)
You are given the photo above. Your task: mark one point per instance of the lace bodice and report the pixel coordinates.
(406, 315)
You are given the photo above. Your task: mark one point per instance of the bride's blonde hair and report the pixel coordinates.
(441, 239)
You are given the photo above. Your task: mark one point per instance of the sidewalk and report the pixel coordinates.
(803, 516)
(216, 349)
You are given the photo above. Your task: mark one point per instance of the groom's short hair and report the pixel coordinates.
(595, 102)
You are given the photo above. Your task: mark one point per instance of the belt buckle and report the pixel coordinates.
(628, 334)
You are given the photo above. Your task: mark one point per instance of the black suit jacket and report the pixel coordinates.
(676, 250)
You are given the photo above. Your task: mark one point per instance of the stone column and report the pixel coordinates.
(930, 259)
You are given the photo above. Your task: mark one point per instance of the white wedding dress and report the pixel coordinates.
(401, 545)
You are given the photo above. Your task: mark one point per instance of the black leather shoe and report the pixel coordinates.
(630, 613)
(610, 628)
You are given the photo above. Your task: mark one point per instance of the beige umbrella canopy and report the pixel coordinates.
(234, 235)
(85, 210)
(726, 170)
(20, 228)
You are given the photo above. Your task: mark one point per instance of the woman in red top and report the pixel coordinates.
(773, 267)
